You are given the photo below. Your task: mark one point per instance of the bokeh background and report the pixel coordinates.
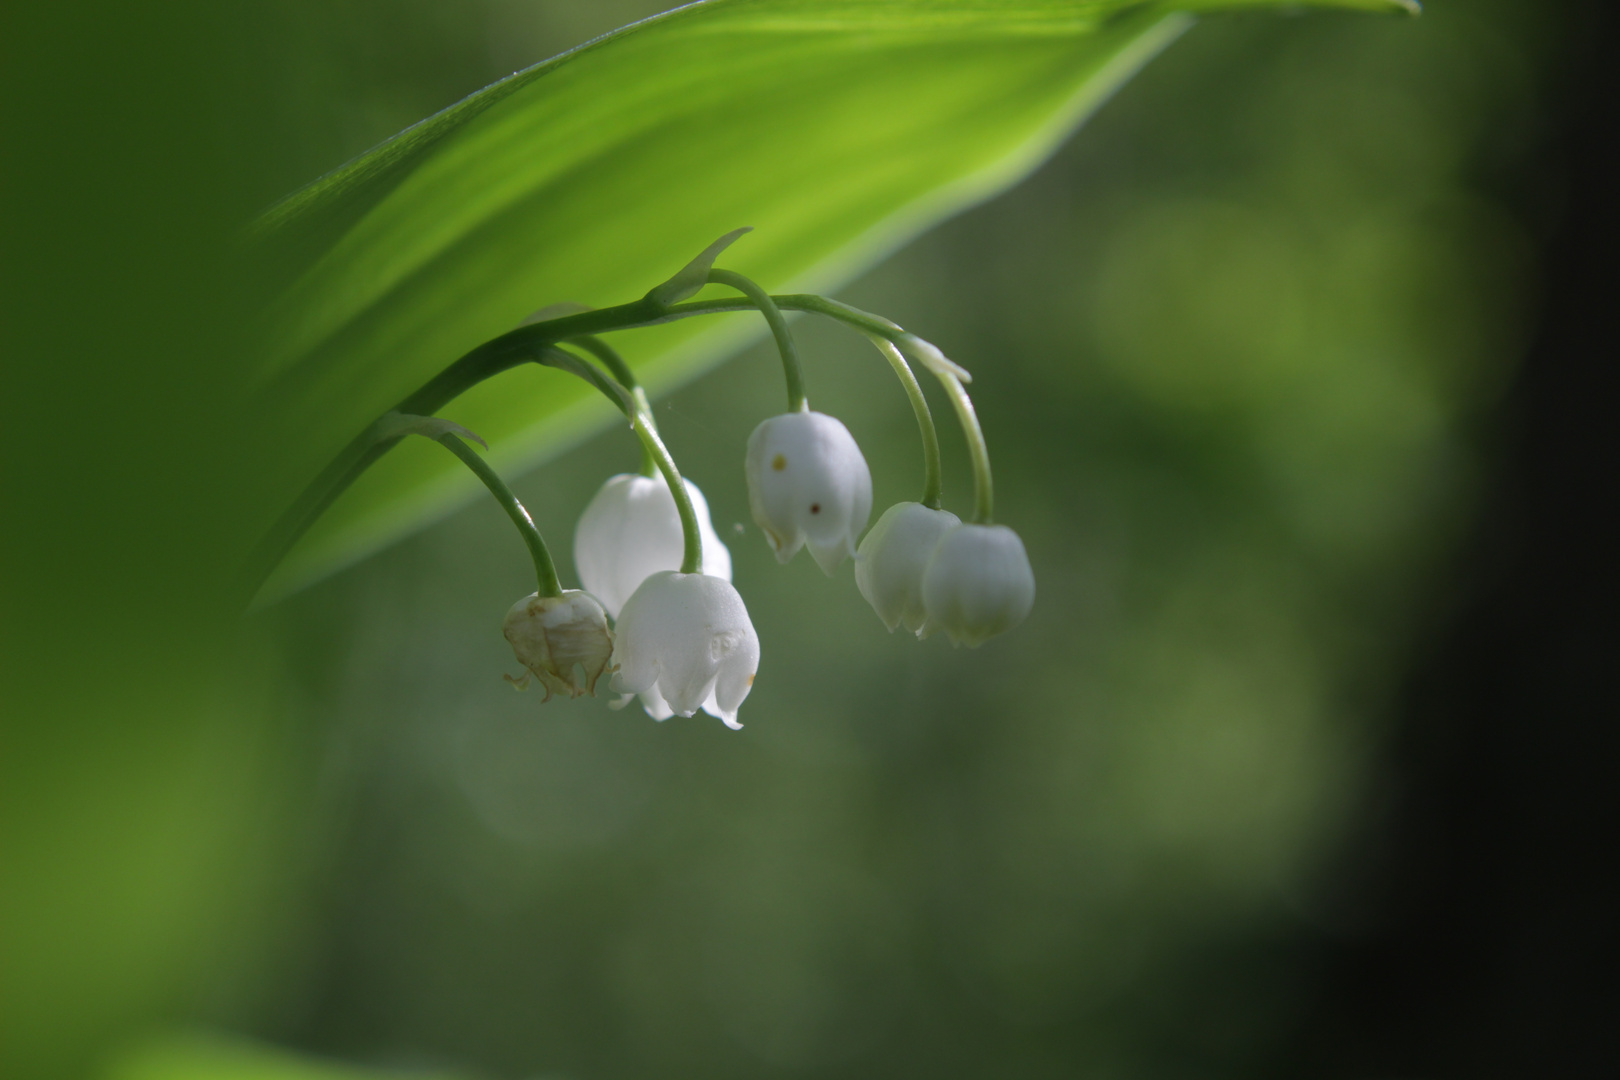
(1242, 349)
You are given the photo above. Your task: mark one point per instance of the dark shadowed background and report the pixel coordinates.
(1292, 365)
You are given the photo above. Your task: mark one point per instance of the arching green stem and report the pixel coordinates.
(908, 343)
(536, 343)
(692, 554)
(925, 420)
(563, 360)
(983, 493)
(616, 364)
(545, 571)
(779, 330)
(627, 378)
(633, 404)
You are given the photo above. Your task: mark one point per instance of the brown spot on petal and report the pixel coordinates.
(815, 508)
(779, 463)
(751, 679)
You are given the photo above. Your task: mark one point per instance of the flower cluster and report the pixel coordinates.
(927, 569)
(650, 559)
(658, 611)
(683, 642)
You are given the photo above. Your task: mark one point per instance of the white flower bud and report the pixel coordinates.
(889, 565)
(685, 643)
(631, 530)
(977, 584)
(564, 641)
(808, 485)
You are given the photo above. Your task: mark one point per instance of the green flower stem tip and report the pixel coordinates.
(396, 425)
(932, 484)
(692, 552)
(633, 403)
(983, 492)
(779, 330)
(621, 371)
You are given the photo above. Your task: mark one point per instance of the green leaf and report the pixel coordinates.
(838, 129)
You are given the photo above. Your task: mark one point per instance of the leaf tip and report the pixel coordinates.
(695, 274)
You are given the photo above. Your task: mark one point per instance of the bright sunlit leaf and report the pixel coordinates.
(838, 129)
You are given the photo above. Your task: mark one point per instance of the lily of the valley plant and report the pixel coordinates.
(658, 612)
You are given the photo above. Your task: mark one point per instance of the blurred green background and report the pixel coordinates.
(1235, 348)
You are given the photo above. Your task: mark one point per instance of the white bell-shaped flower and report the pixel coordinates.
(563, 641)
(808, 485)
(632, 530)
(977, 584)
(651, 701)
(684, 643)
(892, 557)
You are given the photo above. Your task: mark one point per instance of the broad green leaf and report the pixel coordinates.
(838, 129)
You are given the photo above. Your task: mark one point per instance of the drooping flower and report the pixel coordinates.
(808, 485)
(892, 557)
(563, 641)
(632, 530)
(977, 584)
(685, 643)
